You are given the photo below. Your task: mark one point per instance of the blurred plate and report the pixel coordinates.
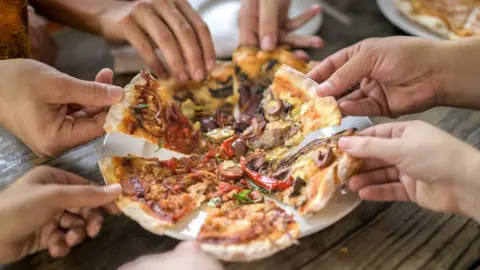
(387, 7)
(118, 144)
(221, 16)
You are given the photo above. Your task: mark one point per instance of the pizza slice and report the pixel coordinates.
(306, 179)
(254, 72)
(158, 194)
(448, 18)
(248, 232)
(290, 110)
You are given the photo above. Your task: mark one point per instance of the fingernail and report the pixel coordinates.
(211, 64)
(198, 75)
(182, 77)
(114, 93)
(345, 143)
(267, 43)
(113, 189)
(316, 8)
(324, 88)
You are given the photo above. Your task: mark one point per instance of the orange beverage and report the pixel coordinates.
(14, 29)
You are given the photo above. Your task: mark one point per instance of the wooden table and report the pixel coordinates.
(375, 235)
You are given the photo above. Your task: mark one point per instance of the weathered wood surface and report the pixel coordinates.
(374, 236)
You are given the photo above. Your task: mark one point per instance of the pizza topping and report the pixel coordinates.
(215, 202)
(257, 125)
(225, 90)
(266, 182)
(220, 134)
(274, 108)
(248, 196)
(228, 170)
(270, 64)
(282, 174)
(274, 135)
(324, 158)
(256, 160)
(298, 184)
(227, 146)
(240, 147)
(208, 124)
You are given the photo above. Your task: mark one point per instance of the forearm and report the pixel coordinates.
(468, 186)
(457, 70)
(82, 14)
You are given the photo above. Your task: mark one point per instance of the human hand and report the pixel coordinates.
(400, 76)
(182, 36)
(266, 23)
(185, 256)
(42, 46)
(51, 209)
(414, 161)
(51, 111)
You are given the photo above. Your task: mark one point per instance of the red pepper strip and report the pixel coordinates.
(171, 164)
(263, 181)
(225, 188)
(227, 146)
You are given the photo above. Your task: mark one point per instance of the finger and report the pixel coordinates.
(364, 107)
(370, 164)
(79, 115)
(78, 196)
(163, 37)
(112, 209)
(203, 33)
(375, 177)
(75, 236)
(303, 41)
(94, 221)
(387, 130)
(187, 246)
(105, 76)
(248, 22)
(387, 192)
(134, 34)
(68, 220)
(353, 96)
(384, 149)
(303, 18)
(86, 93)
(74, 132)
(185, 35)
(301, 55)
(268, 24)
(57, 247)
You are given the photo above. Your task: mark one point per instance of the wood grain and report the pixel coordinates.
(373, 236)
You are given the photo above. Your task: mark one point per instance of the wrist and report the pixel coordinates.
(468, 187)
(455, 72)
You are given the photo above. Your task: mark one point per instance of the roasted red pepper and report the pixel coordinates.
(227, 146)
(268, 183)
(171, 164)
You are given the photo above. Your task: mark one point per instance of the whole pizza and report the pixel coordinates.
(240, 132)
(450, 19)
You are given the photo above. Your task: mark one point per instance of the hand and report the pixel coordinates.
(185, 256)
(175, 27)
(266, 23)
(51, 111)
(414, 161)
(399, 76)
(51, 209)
(42, 46)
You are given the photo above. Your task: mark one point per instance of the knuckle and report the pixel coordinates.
(185, 28)
(90, 90)
(141, 5)
(125, 20)
(166, 36)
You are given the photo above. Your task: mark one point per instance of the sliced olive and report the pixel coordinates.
(298, 184)
(208, 124)
(274, 107)
(240, 147)
(222, 92)
(324, 158)
(287, 108)
(244, 92)
(255, 160)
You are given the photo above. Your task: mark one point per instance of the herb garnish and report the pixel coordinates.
(244, 198)
(214, 202)
(142, 106)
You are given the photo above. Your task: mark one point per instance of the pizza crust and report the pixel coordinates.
(252, 251)
(134, 210)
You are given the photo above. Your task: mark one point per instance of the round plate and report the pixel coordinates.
(387, 7)
(221, 16)
(118, 144)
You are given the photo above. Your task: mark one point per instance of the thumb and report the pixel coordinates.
(89, 93)
(349, 74)
(78, 196)
(371, 147)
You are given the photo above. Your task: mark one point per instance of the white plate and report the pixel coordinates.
(221, 16)
(387, 7)
(118, 144)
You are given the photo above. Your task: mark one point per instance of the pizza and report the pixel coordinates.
(248, 232)
(449, 19)
(239, 131)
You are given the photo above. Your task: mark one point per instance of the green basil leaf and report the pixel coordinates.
(142, 106)
(256, 187)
